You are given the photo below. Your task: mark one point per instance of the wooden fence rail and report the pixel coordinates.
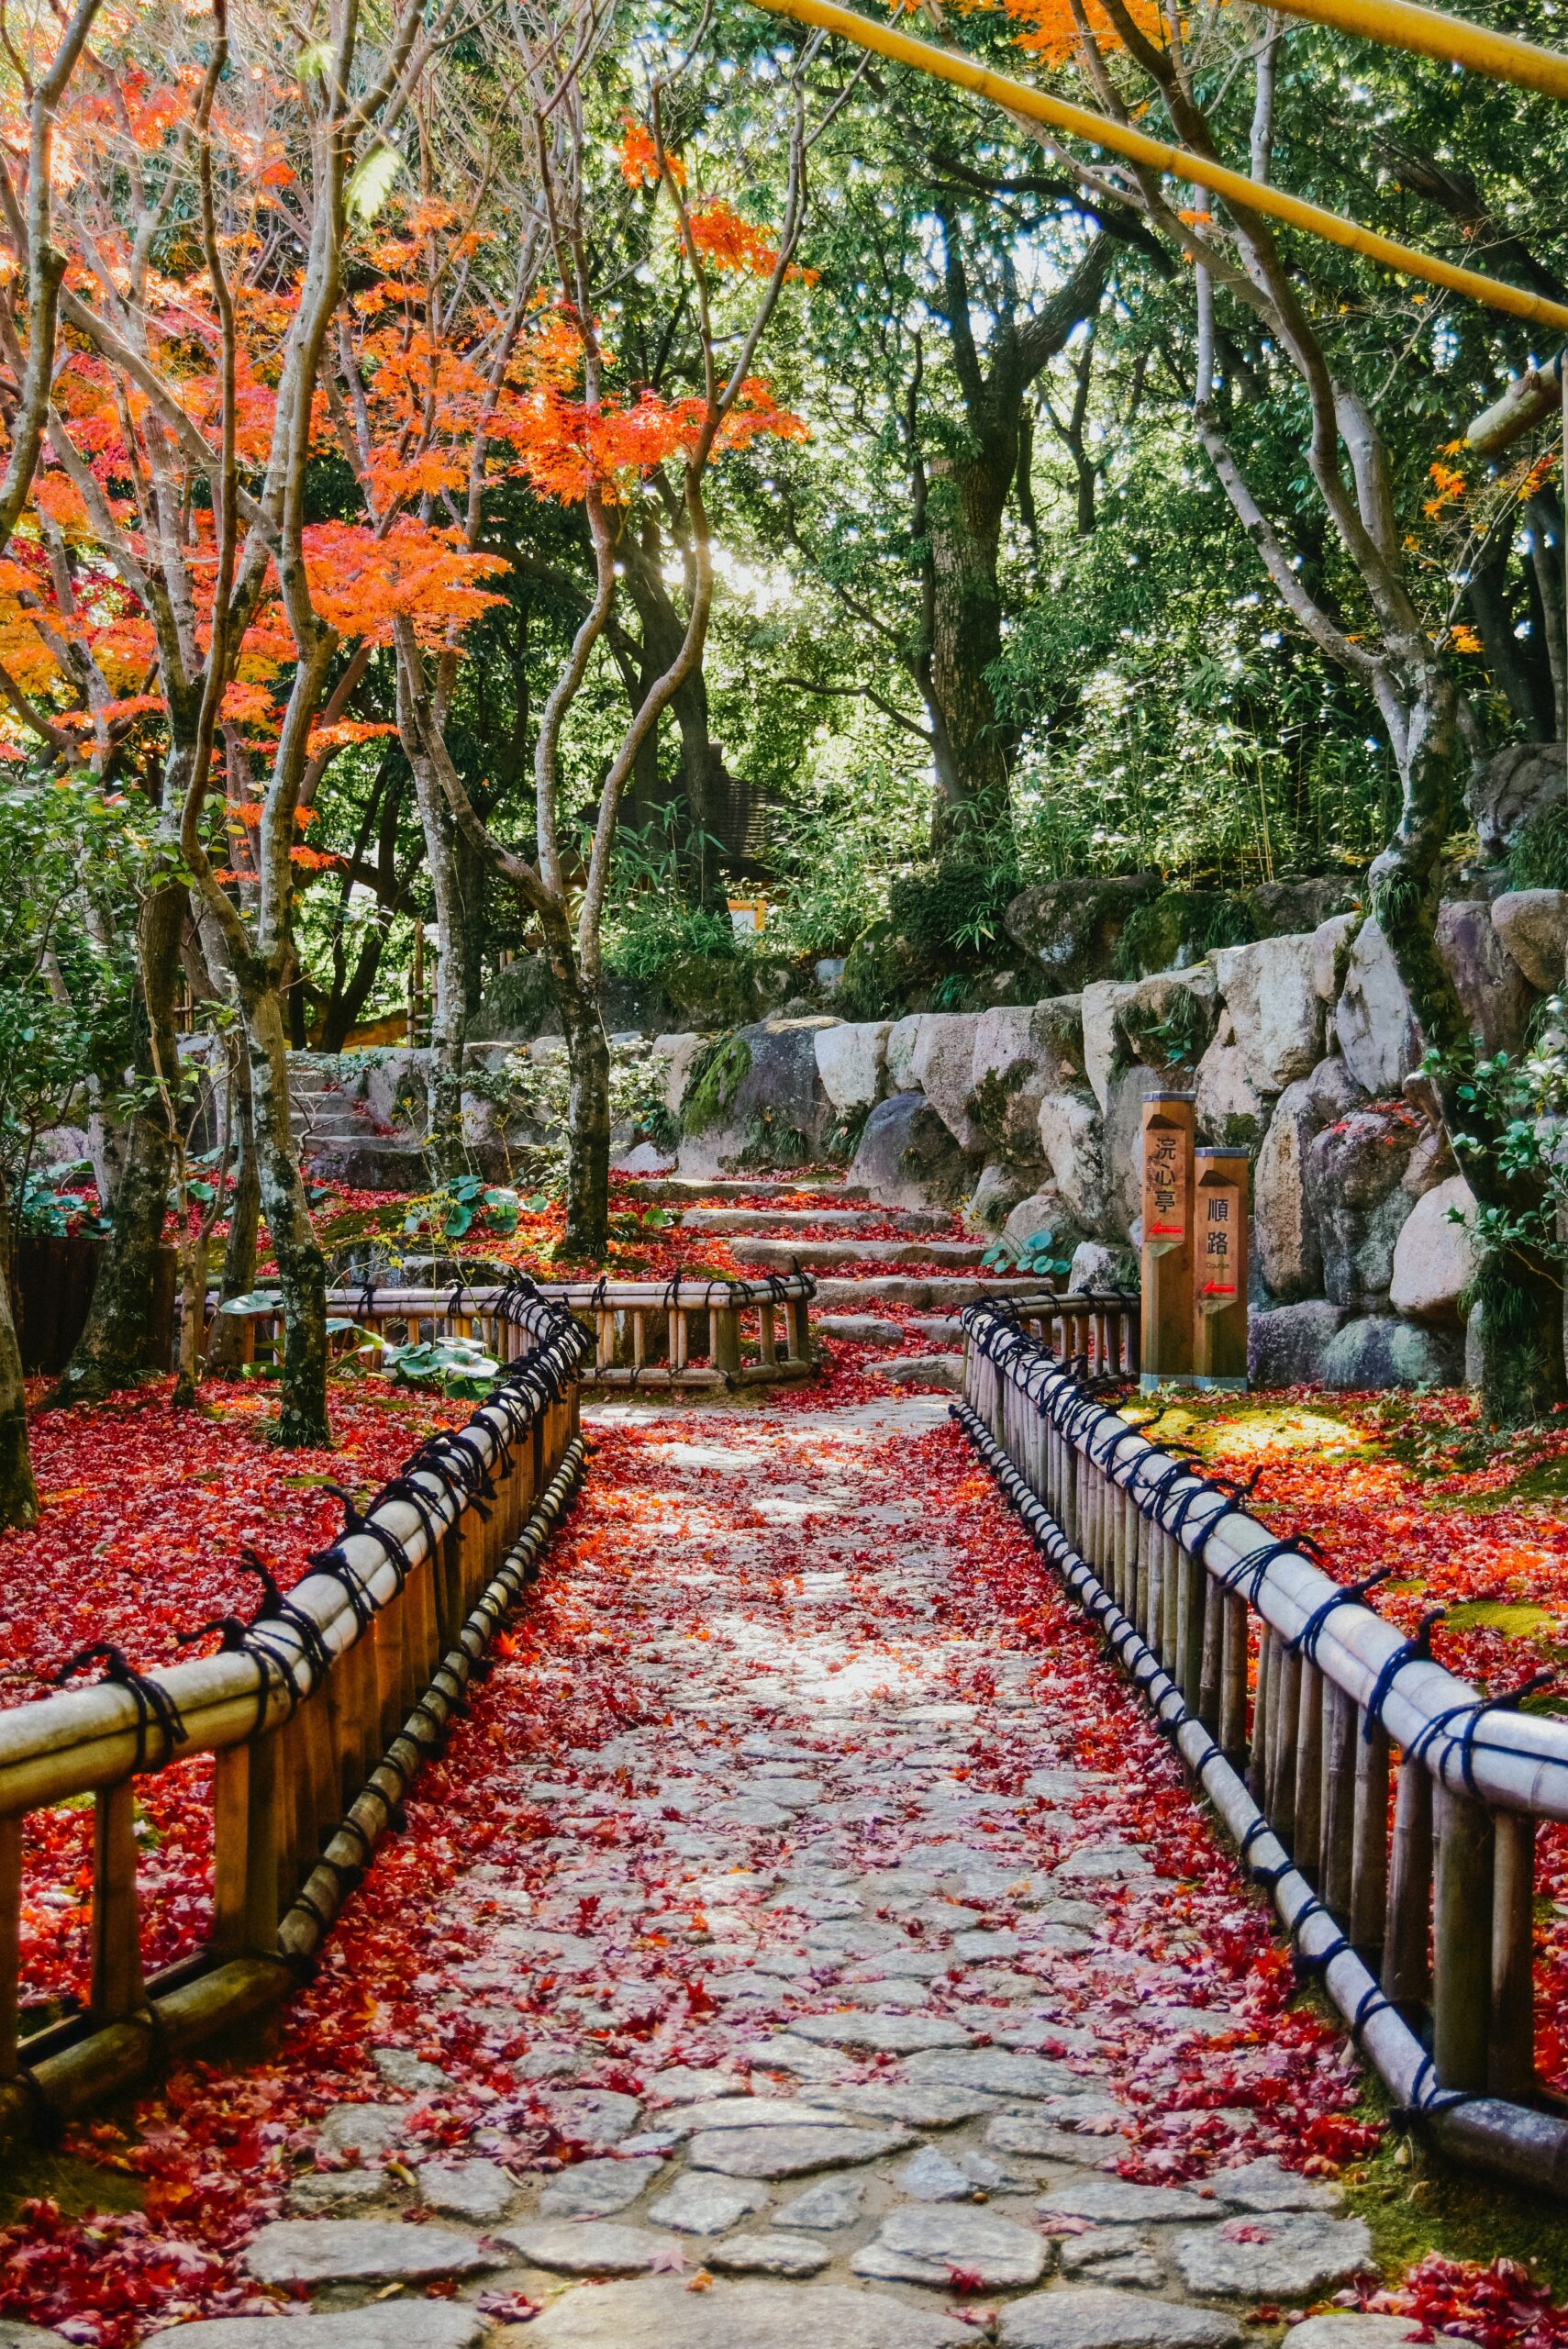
(1100, 1329)
(316, 1717)
(1308, 1720)
(677, 1333)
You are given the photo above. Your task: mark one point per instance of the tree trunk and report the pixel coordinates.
(302, 1419)
(19, 1494)
(449, 1016)
(664, 632)
(119, 1347)
(589, 1097)
(230, 1347)
(1524, 1374)
(964, 524)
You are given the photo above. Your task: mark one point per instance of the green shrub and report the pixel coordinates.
(955, 906)
(1538, 858)
(879, 971)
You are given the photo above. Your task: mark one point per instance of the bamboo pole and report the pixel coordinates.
(1019, 98)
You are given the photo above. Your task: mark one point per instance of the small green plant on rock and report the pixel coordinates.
(1039, 1254)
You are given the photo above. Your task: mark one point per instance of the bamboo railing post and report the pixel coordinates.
(1308, 1848)
(1258, 1755)
(1338, 1806)
(10, 1943)
(118, 1988)
(1286, 1718)
(1195, 1593)
(1510, 2062)
(1368, 1862)
(1462, 1945)
(727, 1340)
(1232, 1734)
(1211, 1667)
(1406, 1968)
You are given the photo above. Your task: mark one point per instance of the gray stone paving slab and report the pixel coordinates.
(585, 2247)
(768, 2255)
(1349, 2330)
(372, 2131)
(360, 2250)
(1120, 2200)
(700, 2203)
(401, 2069)
(594, 2117)
(317, 2191)
(831, 2203)
(1097, 2316)
(943, 2243)
(598, 2189)
(882, 2034)
(662, 2314)
(1266, 2185)
(921, 2107)
(790, 2152)
(998, 2071)
(1284, 2255)
(929, 2177)
(391, 2324)
(477, 2190)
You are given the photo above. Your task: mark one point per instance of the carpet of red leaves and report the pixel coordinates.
(1467, 1521)
(145, 1511)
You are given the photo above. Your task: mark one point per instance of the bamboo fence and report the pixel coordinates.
(317, 1716)
(678, 1333)
(1387, 1806)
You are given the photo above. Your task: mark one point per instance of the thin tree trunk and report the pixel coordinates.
(588, 1096)
(231, 1346)
(303, 1419)
(19, 1492)
(119, 1347)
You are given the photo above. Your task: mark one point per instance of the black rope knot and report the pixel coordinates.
(154, 1703)
(1417, 1649)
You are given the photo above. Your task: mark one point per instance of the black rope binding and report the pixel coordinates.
(1417, 1649)
(1349, 1593)
(154, 1704)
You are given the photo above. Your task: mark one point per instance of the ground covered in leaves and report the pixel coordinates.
(797, 1782)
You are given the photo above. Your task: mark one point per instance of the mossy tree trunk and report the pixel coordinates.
(19, 1492)
(231, 1349)
(119, 1346)
(303, 1417)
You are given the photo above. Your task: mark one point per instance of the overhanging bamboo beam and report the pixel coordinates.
(1432, 32)
(1019, 98)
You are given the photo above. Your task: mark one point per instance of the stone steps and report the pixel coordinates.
(874, 1330)
(948, 1290)
(780, 1221)
(669, 1188)
(780, 1255)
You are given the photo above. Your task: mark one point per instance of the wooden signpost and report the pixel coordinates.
(1168, 1126)
(1220, 1268)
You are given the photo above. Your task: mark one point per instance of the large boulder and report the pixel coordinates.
(851, 1061)
(759, 1101)
(1124, 1150)
(1373, 1019)
(1042, 1211)
(1280, 908)
(1098, 1270)
(1382, 1351)
(678, 1052)
(901, 1039)
(1268, 990)
(1168, 1021)
(1284, 1227)
(1356, 1195)
(1514, 784)
(1002, 1189)
(1331, 943)
(1229, 1109)
(1072, 1137)
(1103, 1048)
(1180, 928)
(1072, 928)
(1435, 1257)
(1287, 1347)
(942, 1065)
(1021, 1053)
(1533, 927)
(906, 1157)
(1497, 995)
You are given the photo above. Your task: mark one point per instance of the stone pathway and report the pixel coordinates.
(822, 1975)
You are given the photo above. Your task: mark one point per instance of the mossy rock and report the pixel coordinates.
(1538, 858)
(1177, 929)
(881, 971)
(955, 906)
(711, 990)
(518, 1004)
(716, 1076)
(1170, 1021)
